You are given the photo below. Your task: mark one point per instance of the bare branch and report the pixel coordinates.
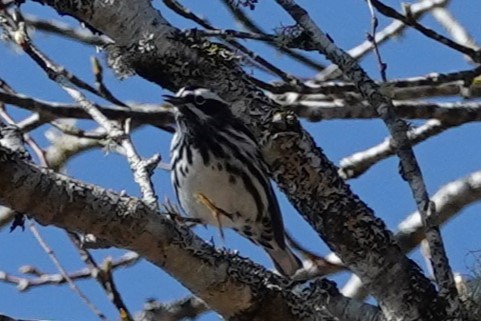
(447, 84)
(104, 276)
(448, 113)
(99, 83)
(25, 284)
(357, 164)
(64, 30)
(454, 28)
(372, 37)
(156, 115)
(475, 55)
(64, 273)
(449, 201)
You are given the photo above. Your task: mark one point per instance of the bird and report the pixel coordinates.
(219, 176)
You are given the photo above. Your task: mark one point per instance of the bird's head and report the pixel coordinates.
(194, 104)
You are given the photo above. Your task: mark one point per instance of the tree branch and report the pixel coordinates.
(357, 164)
(448, 113)
(158, 116)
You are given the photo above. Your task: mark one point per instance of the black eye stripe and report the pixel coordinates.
(196, 105)
(212, 107)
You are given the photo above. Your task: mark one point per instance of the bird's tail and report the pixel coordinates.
(285, 261)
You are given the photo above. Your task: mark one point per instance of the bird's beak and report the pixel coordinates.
(173, 100)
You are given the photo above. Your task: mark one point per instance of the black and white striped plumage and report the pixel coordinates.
(214, 154)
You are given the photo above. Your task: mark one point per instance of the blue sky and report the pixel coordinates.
(443, 159)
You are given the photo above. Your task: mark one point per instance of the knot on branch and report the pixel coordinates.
(118, 59)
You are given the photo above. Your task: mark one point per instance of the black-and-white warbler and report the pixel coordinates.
(219, 175)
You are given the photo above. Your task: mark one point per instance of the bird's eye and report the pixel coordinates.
(199, 100)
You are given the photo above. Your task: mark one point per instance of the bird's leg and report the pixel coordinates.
(216, 211)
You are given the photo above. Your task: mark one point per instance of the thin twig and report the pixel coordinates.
(104, 277)
(16, 28)
(372, 38)
(74, 131)
(65, 30)
(27, 138)
(42, 279)
(99, 82)
(63, 272)
(475, 55)
(241, 17)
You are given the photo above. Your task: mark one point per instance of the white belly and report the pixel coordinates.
(223, 190)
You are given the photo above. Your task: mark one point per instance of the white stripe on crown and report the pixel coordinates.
(204, 92)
